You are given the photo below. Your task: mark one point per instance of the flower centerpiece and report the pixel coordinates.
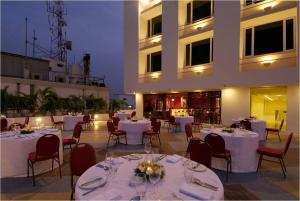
(228, 130)
(27, 130)
(147, 168)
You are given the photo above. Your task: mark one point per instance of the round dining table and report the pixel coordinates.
(70, 121)
(242, 145)
(258, 126)
(15, 148)
(134, 130)
(171, 187)
(183, 120)
(122, 115)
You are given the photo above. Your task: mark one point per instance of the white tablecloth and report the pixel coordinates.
(70, 121)
(172, 181)
(122, 116)
(183, 120)
(134, 130)
(242, 145)
(258, 126)
(15, 150)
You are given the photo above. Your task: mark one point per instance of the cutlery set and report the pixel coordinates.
(204, 184)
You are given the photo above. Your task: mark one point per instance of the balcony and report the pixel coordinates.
(284, 59)
(150, 42)
(150, 77)
(195, 71)
(265, 8)
(197, 27)
(147, 5)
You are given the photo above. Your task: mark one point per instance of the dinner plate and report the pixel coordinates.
(134, 156)
(91, 183)
(196, 167)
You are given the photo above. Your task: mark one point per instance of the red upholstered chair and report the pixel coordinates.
(75, 137)
(26, 121)
(56, 124)
(153, 121)
(274, 153)
(173, 124)
(111, 115)
(115, 121)
(133, 114)
(217, 144)
(82, 157)
(113, 132)
(154, 132)
(196, 124)
(86, 121)
(47, 147)
(246, 124)
(275, 130)
(189, 133)
(200, 152)
(4, 124)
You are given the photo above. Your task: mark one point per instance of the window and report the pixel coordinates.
(154, 26)
(269, 38)
(154, 62)
(197, 10)
(250, 2)
(199, 52)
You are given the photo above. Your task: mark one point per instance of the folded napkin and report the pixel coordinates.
(196, 191)
(111, 194)
(173, 158)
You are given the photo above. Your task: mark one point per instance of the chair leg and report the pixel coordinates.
(27, 168)
(279, 136)
(159, 140)
(52, 164)
(227, 170)
(59, 167)
(259, 162)
(108, 141)
(230, 165)
(283, 164)
(282, 168)
(33, 177)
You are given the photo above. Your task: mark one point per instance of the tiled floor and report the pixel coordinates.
(267, 185)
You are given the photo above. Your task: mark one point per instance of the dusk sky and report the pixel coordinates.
(94, 27)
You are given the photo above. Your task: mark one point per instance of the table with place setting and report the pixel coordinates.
(179, 178)
(134, 129)
(122, 115)
(71, 120)
(242, 145)
(15, 148)
(183, 120)
(258, 126)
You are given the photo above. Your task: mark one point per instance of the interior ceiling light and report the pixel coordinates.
(268, 97)
(200, 26)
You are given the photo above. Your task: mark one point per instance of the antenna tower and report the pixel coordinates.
(58, 43)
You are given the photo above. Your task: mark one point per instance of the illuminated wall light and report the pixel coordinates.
(268, 6)
(156, 40)
(199, 70)
(96, 116)
(155, 76)
(38, 120)
(200, 26)
(145, 1)
(268, 97)
(267, 61)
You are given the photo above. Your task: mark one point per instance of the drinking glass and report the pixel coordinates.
(147, 146)
(154, 179)
(109, 157)
(140, 188)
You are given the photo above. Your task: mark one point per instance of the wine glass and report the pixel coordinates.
(140, 187)
(154, 179)
(147, 146)
(109, 157)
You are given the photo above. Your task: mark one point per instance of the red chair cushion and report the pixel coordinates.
(270, 151)
(33, 158)
(119, 132)
(272, 129)
(69, 141)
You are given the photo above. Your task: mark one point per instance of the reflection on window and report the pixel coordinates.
(269, 104)
(154, 62)
(269, 38)
(199, 52)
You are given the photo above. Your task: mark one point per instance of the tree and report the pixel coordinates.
(48, 100)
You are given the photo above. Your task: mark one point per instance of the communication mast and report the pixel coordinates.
(58, 43)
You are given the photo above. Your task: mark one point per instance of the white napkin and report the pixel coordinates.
(111, 194)
(196, 191)
(173, 158)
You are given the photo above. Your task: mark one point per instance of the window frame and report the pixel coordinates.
(252, 3)
(283, 41)
(150, 62)
(191, 49)
(190, 18)
(150, 25)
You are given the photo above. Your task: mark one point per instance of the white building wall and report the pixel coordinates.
(292, 119)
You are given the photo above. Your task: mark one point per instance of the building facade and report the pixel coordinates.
(246, 52)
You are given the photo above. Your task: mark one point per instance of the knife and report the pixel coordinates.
(92, 181)
(204, 184)
(162, 157)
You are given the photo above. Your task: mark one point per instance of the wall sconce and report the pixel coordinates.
(145, 1)
(268, 6)
(38, 120)
(198, 70)
(267, 61)
(96, 116)
(156, 40)
(200, 26)
(154, 76)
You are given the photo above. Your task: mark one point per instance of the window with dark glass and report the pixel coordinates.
(248, 42)
(154, 62)
(198, 9)
(199, 52)
(250, 2)
(154, 26)
(269, 38)
(289, 34)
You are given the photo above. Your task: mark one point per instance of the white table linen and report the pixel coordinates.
(15, 149)
(134, 130)
(171, 183)
(70, 121)
(122, 115)
(183, 120)
(258, 126)
(242, 145)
